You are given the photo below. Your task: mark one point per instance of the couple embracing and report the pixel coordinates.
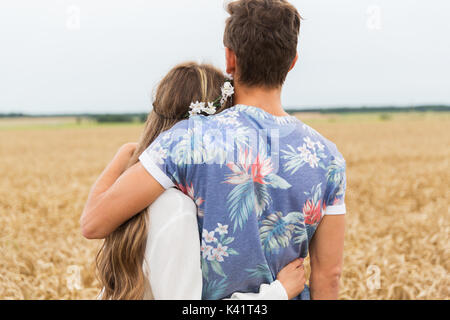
(225, 194)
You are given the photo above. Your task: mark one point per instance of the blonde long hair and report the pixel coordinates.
(121, 257)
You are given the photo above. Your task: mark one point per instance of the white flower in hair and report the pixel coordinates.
(227, 90)
(210, 109)
(228, 76)
(196, 108)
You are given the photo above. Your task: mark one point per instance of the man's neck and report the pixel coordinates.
(268, 100)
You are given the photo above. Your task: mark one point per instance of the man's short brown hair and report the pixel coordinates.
(264, 36)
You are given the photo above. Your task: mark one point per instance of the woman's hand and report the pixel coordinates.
(118, 190)
(292, 277)
(124, 155)
(128, 148)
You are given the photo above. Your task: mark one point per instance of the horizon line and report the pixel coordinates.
(288, 109)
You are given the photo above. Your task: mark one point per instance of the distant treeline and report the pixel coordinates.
(374, 109)
(99, 118)
(119, 118)
(12, 115)
(142, 117)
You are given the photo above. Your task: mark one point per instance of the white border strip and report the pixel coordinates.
(155, 171)
(335, 210)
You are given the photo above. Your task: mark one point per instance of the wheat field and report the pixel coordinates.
(397, 239)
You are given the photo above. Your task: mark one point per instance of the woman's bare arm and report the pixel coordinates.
(326, 252)
(289, 284)
(117, 195)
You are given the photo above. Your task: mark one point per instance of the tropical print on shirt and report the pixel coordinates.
(262, 185)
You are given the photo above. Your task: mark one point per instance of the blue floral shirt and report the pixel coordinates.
(261, 184)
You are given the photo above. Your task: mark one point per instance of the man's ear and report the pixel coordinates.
(293, 63)
(230, 58)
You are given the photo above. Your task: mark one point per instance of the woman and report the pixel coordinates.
(159, 258)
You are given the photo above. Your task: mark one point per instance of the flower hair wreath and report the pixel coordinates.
(210, 108)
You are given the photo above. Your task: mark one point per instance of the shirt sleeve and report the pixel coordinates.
(166, 157)
(336, 187)
(273, 291)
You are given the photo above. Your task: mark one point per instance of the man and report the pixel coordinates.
(267, 186)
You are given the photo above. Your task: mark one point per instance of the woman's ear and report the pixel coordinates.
(293, 63)
(230, 58)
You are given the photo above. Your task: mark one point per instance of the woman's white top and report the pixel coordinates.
(172, 255)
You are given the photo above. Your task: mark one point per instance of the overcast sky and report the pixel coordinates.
(61, 56)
